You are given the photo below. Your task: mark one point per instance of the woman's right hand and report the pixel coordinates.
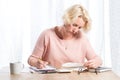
(41, 64)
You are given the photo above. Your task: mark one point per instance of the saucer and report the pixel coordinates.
(71, 65)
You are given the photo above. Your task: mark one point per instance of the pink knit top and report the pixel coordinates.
(55, 51)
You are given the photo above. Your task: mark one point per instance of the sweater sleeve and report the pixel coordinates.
(90, 53)
(41, 45)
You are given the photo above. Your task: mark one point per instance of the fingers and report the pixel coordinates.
(91, 64)
(41, 64)
(46, 62)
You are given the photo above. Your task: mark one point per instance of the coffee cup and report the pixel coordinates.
(16, 67)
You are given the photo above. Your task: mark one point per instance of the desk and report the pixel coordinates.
(60, 76)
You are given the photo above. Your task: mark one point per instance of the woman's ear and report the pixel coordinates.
(66, 25)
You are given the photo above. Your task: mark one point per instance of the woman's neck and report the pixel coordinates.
(66, 35)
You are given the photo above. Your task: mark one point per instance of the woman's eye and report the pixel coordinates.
(75, 25)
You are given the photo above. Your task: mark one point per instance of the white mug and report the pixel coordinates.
(16, 67)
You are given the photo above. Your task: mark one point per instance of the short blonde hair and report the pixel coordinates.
(74, 12)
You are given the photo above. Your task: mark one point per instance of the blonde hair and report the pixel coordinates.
(74, 12)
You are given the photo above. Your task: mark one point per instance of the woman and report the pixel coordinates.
(66, 43)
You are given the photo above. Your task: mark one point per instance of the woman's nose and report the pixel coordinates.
(75, 30)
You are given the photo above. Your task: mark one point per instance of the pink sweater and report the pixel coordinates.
(56, 51)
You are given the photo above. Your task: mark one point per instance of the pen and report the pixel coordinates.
(40, 60)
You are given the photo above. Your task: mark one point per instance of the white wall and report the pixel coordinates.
(115, 34)
(14, 23)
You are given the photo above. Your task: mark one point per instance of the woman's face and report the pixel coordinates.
(75, 26)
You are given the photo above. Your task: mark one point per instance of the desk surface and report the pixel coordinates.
(60, 76)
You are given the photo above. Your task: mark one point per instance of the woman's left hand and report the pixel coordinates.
(92, 64)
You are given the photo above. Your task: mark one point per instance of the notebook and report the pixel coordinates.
(100, 69)
(47, 69)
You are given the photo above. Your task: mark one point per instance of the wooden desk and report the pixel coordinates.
(60, 76)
